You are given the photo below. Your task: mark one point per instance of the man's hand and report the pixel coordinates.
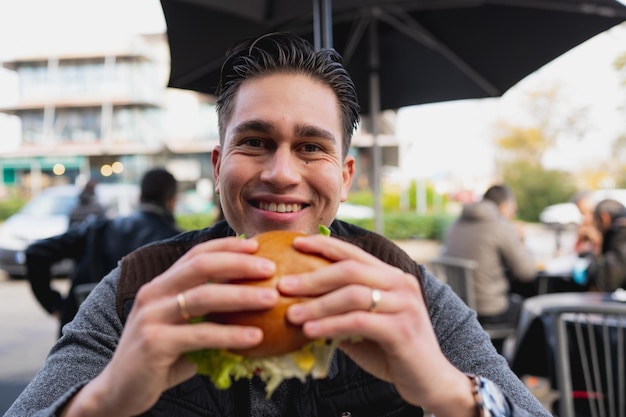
(149, 358)
(395, 333)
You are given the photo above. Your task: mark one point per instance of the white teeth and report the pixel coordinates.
(280, 207)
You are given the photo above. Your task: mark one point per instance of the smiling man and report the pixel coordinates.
(286, 114)
(281, 159)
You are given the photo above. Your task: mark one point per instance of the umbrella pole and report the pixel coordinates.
(374, 80)
(322, 24)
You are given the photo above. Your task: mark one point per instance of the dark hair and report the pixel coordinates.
(88, 192)
(614, 208)
(284, 52)
(158, 186)
(499, 194)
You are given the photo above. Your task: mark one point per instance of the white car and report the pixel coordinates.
(348, 211)
(47, 215)
(568, 215)
(561, 214)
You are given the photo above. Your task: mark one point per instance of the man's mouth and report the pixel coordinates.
(278, 207)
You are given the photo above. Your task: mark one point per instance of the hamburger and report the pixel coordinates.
(285, 352)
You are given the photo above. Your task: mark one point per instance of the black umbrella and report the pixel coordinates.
(399, 53)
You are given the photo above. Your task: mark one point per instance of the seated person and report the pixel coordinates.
(486, 233)
(588, 237)
(607, 270)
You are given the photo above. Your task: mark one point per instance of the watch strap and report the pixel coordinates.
(490, 401)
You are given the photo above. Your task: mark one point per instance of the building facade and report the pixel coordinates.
(102, 110)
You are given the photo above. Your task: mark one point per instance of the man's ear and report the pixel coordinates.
(216, 161)
(347, 176)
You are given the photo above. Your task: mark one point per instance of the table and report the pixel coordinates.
(556, 275)
(533, 350)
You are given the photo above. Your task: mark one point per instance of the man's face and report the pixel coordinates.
(280, 165)
(508, 209)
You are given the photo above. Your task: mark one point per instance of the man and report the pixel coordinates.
(607, 270)
(486, 233)
(88, 207)
(286, 115)
(96, 246)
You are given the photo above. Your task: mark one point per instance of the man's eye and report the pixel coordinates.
(254, 142)
(311, 147)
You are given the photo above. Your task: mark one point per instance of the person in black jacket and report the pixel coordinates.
(96, 246)
(88, 207)
(607, 270)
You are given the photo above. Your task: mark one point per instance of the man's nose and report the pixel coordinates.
(283, 168)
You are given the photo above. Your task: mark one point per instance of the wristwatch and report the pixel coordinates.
(490, 401)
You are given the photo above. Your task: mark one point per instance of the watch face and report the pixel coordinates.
(493, 399)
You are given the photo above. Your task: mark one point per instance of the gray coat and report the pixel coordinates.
(483, 235)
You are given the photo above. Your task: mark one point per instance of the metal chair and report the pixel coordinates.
(590, 360)
(458, 273)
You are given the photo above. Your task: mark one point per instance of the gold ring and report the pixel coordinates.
(376, 297)
(182, 306)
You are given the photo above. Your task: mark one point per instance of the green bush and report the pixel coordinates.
(10, 206)
(397, 225)
(407, 225)
(536, 188)
(194, 221)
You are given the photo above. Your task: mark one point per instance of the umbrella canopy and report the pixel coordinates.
(398, 52)
(430, 50)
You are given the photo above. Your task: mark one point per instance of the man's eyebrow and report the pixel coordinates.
(302, 130)
(309, 131)
(254, 125)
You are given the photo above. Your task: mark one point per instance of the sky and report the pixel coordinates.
(429, 132)
(586, 78)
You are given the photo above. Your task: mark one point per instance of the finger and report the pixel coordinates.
(376, 327)
(334, 249)
(209, 298)
(208, 335)
(344, 300)
(200, 267)
(340, 274)
(202, 300)
(166, 343)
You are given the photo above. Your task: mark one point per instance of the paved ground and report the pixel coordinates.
(26, 334)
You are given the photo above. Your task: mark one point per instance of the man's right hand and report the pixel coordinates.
(149, 358)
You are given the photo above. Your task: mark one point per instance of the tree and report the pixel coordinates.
(520, 150)
(536, 188)
(549, 119)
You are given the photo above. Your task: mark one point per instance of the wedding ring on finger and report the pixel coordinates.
(377, 295)
(182, 306)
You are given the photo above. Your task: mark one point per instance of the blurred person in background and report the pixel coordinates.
(607, 269)
(96, 246)
(588, 236)
(486, 232)
(88, 207)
